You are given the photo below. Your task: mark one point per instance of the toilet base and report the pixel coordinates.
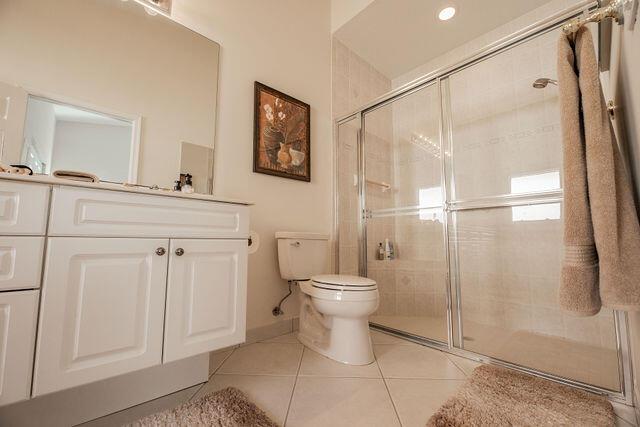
(345, 340)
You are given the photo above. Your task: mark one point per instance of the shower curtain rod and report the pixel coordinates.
(548, 23)
(614, 10)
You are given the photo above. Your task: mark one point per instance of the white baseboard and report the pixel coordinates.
(91, 401)
(281, 327)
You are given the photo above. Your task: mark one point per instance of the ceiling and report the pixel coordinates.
(396, 36)
(68, 113)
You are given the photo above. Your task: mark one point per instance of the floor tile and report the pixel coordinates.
(341, 402)
(466, 365)
(622, 423)
(134, 413)
(272, 394)
(627, 413)
(403, 361)
(216, 359)
(291, 338)
(378, 337)
(416, 400)
(264, 359)
(314, 364)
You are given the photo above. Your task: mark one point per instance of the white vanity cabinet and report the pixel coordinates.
(18, 314)
(23, 221)
(124, 280)
(102, 310)
(204, 296)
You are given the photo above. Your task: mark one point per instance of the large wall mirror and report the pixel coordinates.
(107, 87)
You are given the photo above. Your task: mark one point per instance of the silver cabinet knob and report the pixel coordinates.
(161, 251)
(179, 251)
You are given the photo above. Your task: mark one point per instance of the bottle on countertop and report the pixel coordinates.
(188, 184)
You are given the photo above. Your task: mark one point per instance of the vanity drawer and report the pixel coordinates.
(20, 262)
(23, 208)
(81, 212)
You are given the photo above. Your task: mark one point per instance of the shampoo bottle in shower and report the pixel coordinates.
(380, 253)
(387, 249)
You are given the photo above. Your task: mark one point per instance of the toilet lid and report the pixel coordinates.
(341, 282)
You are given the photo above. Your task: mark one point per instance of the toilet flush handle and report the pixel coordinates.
(296, 244)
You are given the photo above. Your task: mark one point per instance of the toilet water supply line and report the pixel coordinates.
(277, 310)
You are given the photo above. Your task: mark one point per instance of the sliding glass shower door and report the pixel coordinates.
(451, 199)
(506, 210)
(405, 232)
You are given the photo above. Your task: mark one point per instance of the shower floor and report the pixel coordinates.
(556, 355)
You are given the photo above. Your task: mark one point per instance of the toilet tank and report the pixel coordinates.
(302, 255)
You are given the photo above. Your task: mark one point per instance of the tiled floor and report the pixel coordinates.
(298, 387)
(597, 365)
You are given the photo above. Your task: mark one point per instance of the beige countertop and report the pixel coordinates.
(47, 179)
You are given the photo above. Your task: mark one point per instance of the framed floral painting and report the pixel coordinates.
(281, 141)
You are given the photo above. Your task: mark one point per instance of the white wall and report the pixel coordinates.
(343, 10)
(101, 149)
(284, 44)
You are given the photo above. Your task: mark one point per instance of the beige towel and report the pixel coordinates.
(601, 231)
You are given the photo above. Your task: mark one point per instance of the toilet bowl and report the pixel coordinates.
(334, 317)
(334, 309)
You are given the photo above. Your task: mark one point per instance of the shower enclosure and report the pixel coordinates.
(462, 172)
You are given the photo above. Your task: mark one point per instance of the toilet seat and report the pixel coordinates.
(346, 283)
(343, 288)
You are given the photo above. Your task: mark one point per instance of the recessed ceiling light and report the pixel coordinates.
(447, 13)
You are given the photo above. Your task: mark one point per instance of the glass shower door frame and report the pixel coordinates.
(368, 214)
(452, 207)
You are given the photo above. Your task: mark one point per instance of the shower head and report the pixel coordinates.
(543, 82)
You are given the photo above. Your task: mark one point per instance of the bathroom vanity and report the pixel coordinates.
(100, 280)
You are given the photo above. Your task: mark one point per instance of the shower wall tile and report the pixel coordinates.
(356, 82)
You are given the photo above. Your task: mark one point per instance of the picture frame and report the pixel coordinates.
(282, 134)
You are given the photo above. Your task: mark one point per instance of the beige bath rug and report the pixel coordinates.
(224, 408)
(495, 396)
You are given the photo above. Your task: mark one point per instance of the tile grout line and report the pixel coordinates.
(293, 390)
(386, 386)
(212, 374)
(457, 366)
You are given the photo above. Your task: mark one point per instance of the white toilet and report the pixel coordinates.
(335, 309)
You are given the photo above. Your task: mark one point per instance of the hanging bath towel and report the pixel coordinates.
(601, 232)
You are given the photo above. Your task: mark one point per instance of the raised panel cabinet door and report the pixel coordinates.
(18, 316)
(23, 208)
(20, 262)
(102, 310)
(206, 297)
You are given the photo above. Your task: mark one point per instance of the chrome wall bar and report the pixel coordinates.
(507, 200)
(362, 197)
(445, 146)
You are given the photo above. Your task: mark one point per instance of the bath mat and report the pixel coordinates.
(224, 408)
(496, 396)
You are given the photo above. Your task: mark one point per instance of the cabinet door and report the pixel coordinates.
(102, 310)
(18, 314)
(206, 296)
